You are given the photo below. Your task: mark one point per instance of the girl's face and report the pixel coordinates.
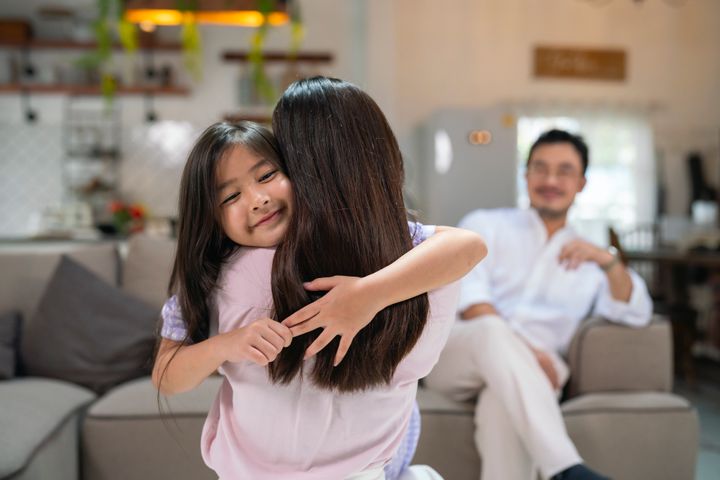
(255, 198)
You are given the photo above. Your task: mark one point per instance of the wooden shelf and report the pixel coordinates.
(279, 56)
(91, 90)
(40, 44)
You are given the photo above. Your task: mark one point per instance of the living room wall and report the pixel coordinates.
(475, 53)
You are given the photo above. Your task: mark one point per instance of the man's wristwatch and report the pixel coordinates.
(615, 260)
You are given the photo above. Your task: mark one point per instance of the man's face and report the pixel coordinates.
(554, 176)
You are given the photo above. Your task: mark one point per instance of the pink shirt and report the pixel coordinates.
(259, 430)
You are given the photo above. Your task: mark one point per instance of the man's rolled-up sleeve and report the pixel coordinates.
(636, 312)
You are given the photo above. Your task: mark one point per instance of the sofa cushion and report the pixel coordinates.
(139, 398)
(431, 401)
(147, 269)
(25, 270)
(32, 410)
(88, 332)
(605, 357)
(446, 436)
(634, 435)
(126, 436)
(636, 402)
(9, 344)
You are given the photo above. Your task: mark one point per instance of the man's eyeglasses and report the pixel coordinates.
(541, 171)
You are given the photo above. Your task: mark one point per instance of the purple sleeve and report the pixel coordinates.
(173, 327)
(419, 232)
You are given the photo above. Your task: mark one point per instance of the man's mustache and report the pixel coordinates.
(549, 190)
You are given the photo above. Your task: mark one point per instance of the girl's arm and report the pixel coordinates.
(352, 302)
(259, 342)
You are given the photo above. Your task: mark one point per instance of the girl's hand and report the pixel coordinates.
(260, 342)
(347, 307)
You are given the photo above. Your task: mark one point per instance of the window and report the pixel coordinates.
(620, 190)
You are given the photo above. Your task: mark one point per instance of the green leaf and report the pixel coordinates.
(266, 7)
(108, 88)
(192, 47)
(102, 35)
(296, 25)
(128, 35)
(88, 61)
(103, 8)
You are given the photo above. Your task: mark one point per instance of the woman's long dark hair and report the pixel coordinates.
(202, 247)
(349, 219)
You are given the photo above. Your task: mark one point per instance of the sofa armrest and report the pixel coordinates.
(604, 357)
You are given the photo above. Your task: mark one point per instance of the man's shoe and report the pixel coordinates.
(579, 472)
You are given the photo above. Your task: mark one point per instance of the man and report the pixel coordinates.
(520, 309)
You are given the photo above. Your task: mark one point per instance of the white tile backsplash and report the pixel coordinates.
(30, 175)
(31, 170)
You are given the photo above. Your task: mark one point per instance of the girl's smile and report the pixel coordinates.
(270, 218)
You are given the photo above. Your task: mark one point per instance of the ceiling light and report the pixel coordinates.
(219, 12)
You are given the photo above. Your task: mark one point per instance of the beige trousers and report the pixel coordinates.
(518, 425)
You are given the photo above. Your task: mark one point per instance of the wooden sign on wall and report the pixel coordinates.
(589, 64)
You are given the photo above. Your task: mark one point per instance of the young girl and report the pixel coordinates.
(237, 194)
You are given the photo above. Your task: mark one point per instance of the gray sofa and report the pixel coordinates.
(619, 410)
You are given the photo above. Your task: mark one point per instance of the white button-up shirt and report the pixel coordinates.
(542, 300)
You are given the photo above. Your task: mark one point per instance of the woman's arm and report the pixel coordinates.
(442, 258)
(179, 367)
(351, 302)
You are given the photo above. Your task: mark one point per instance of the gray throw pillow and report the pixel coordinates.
(88, 332)
(9, 344)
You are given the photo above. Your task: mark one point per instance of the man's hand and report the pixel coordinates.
(478, 310)
(546, 363)
(346, 308)
(578, 251)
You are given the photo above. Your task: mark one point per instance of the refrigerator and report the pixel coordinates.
(467, 159)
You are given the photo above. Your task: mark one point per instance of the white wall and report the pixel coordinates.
(479, 52)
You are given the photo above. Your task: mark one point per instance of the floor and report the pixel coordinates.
(705, 396)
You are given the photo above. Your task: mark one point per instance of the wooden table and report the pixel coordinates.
(670, 257)
(672, 284)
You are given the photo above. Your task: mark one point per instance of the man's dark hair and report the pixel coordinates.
(561, 136)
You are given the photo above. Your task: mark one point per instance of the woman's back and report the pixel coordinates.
(298, 430)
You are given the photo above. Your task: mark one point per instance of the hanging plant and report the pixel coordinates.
(262, 82)
(190, 38)
(111, 21)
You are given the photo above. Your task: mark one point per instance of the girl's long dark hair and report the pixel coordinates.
(202, 247)
(348, 219)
